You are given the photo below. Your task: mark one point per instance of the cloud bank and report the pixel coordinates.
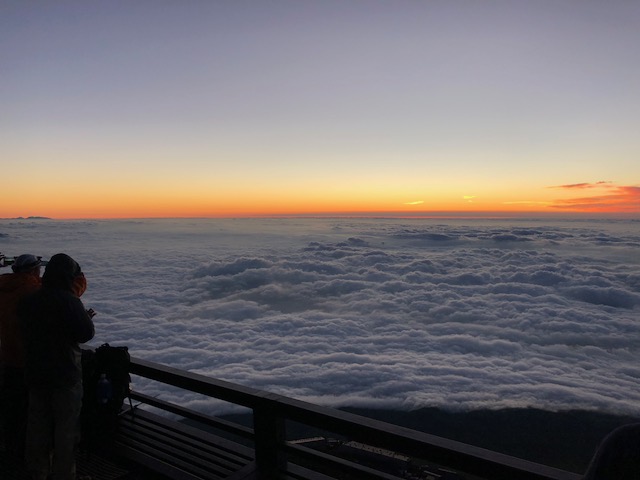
(377, 313)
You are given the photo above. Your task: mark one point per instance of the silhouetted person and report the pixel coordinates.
(618, 456)
(54, 322)
(24, 280)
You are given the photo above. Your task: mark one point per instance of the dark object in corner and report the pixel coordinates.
(618, 456)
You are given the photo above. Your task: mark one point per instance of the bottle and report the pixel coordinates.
(104, 391)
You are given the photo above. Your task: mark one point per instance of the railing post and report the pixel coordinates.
(269, 437)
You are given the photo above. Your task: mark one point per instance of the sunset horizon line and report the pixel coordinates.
(600, 199)
(398, 214)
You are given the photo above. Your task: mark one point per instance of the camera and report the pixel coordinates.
(8, 261)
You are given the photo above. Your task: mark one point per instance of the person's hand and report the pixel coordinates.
(91, 312)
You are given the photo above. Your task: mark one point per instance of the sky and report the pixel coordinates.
(160, 108)
(380, 313)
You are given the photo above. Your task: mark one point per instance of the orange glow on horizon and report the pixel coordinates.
(185, 211)
(610, 198)
(101, 203)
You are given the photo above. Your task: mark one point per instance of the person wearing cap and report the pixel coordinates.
(54, 322)
(24, 280)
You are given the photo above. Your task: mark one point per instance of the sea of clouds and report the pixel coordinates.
(386, 313)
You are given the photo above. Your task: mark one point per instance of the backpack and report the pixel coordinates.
(106, 384)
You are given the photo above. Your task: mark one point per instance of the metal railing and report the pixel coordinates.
(274, 454)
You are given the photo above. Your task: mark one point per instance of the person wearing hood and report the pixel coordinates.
(24, 280)
(54, 322)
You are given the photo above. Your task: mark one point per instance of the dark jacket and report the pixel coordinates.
(13, 287)
(54, 321)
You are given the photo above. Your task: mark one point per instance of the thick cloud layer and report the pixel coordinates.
(379, 313)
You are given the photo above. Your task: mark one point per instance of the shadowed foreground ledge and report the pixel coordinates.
(279, 440)
(565, 439)
(276, 422)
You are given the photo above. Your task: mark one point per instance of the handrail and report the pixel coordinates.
(270, 411)
(207, 420)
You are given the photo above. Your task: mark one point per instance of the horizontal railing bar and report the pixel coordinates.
(363, 472)
(208, 420)
(230, 392)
